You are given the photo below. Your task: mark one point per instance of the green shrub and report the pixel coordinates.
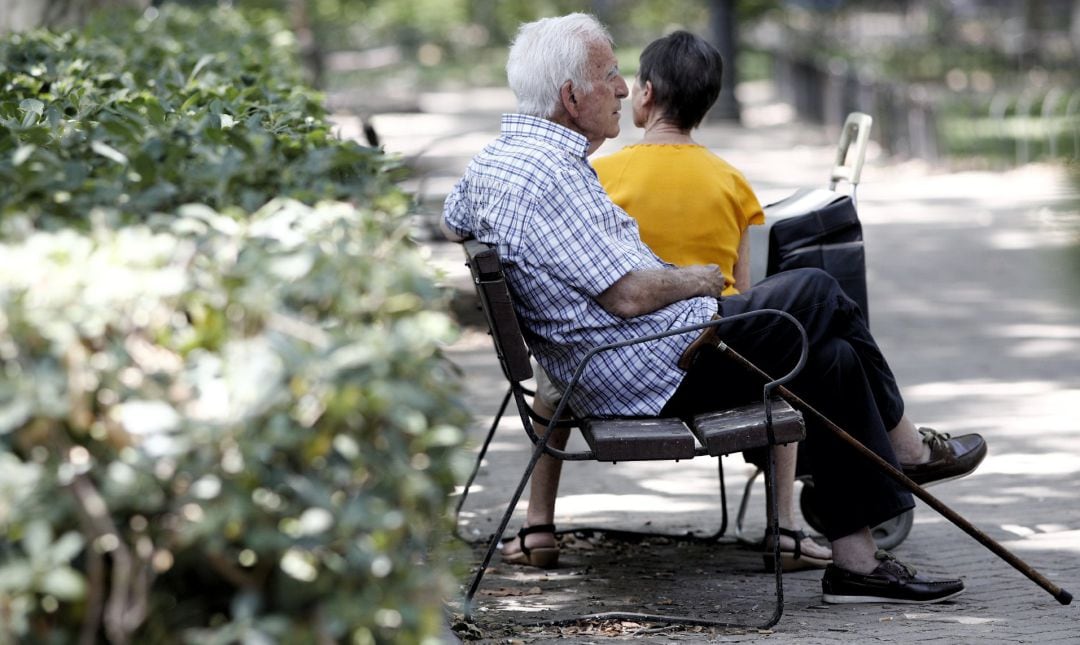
(224, 429)
(224, 415)
(181, 107)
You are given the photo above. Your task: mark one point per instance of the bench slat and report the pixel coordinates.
(638, 439)
(743, 428)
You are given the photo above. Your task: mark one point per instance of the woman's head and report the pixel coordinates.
(685, 73)
(548, 53)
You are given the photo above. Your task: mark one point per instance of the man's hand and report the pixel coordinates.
(645, 291)
(712, 279)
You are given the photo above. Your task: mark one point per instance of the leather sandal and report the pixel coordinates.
(792, 559)
(545, 557)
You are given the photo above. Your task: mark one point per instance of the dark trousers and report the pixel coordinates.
(845, 377)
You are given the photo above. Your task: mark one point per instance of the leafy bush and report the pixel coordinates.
(224, 416)
(182, 107)
(224, 429)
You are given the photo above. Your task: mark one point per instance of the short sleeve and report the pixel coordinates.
(748, 203)
(457, 211)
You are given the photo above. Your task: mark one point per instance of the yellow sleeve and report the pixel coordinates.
(749, 208)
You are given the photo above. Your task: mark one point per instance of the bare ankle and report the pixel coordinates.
(855, 565)
(856, 552)
(908, 445)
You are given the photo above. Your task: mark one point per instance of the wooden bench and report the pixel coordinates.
(769, 422)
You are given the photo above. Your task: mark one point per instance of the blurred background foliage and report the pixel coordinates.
(994, 81)
(980, 81)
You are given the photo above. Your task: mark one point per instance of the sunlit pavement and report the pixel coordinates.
(974, 284)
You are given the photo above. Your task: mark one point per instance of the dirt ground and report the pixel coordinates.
(718, 580)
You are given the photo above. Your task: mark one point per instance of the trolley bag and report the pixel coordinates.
(819, 229)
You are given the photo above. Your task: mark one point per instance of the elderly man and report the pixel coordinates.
(582, 277)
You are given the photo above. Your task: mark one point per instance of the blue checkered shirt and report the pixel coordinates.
(533, 195)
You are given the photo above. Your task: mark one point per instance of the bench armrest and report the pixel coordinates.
(768, 388)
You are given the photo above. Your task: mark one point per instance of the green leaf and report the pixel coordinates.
(154, 111)
(63, 582)
(22, 153)
(109, 152)
(16, 575)
(203, 62)
(53, 116)
(67, 547)
(30, 118)
(14, 414)
(192, 101)
(32, 106)
(37, 538)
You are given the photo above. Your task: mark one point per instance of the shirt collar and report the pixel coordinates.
(523, 125)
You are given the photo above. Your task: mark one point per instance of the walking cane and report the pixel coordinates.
(1059, 594)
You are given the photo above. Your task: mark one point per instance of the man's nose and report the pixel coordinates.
(622, 90)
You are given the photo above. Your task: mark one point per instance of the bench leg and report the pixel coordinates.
(774, 530)
(476, 467)
(723, 501)
(743, 504)
(538, 451)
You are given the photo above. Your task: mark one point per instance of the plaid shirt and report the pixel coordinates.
(533, 195)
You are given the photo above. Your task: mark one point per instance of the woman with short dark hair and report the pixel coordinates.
(694, 208)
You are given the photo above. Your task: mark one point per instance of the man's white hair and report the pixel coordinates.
(547, 53)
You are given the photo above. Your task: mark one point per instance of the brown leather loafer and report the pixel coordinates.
(950, 457)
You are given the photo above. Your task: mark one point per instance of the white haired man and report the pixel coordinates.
(581, 277)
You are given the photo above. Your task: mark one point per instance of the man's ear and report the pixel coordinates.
(568, 99)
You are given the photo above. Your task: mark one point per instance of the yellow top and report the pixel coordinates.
(692, 206)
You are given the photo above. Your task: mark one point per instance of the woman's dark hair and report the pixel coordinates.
(685, 72)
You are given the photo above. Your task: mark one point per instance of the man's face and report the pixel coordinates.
(598, 110)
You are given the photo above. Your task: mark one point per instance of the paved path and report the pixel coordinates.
(974, 282)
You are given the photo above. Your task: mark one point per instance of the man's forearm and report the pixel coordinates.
(645, 291)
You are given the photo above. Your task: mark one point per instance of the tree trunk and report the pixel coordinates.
(311, 56)
(722, 24)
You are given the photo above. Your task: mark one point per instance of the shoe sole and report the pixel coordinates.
(935, 482)
(837, 599)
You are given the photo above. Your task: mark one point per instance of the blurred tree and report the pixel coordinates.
(18, 15)
(310, 53)
(724, 17)
(723, 33)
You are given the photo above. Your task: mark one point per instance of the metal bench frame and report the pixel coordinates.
(766, 424)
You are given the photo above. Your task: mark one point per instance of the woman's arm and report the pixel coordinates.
(742, 264)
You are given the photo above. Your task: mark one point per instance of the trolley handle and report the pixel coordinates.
(851, 151)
